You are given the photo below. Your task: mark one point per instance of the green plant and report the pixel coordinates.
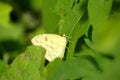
(92, 31)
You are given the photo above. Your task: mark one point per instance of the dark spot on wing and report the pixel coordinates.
(46, 39)
(52, 42)
(50, 46)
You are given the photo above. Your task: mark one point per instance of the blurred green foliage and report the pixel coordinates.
(91, 28)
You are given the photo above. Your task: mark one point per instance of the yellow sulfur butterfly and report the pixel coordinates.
(54, 45)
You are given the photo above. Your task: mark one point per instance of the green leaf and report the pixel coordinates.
(110, 67)
(3, 67)
(9, 30)
(5, 10)
(112, 71)
(50, 18)
(81, 28)
(36, 4)
(27, 66)
(74, 69)
(71, 13)
(12, 32)
(51, 67)
(74, 22)
(23, 68)
(37, 55)
(11, 74)
(99, 11)
(103, 18)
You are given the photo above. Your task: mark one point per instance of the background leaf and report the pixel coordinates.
(50, 18)
(26, 66)
(82, 69)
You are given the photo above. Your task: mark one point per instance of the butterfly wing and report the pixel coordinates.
(54, 45)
